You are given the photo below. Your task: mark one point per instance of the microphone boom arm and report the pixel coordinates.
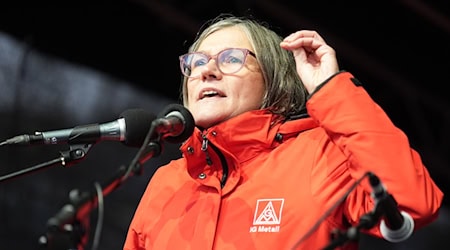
(72, 156)
(68, 228)
(366, 221)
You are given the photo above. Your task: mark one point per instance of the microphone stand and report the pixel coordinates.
(76, 153)
(68, 228)
(367, 221)
(339, 238)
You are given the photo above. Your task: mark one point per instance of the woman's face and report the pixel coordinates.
(215, 97)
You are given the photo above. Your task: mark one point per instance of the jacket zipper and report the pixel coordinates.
(223, 161)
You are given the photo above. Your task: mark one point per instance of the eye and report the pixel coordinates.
(231, 57)
(199, 60)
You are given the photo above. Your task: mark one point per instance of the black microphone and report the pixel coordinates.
(396, 225)
(131, 129)
(174, 124)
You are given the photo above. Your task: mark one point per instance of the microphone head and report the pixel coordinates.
(137, 125)
(187, 118)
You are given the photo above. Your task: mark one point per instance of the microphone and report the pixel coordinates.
(174, 124)
(131, 129)
(395, 226)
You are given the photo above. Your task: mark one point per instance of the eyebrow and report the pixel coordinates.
(222, 49)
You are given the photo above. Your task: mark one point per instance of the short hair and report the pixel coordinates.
(285, 93)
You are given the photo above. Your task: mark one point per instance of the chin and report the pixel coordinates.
(206, 121)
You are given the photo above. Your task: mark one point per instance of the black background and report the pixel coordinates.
(398, 49)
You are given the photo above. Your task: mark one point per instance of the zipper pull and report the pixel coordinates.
(204, 143)
(204, 148)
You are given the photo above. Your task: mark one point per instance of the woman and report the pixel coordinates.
(281, 135)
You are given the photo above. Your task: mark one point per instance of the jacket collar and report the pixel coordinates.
(246, 135)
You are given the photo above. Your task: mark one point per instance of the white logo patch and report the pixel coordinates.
(267, 217)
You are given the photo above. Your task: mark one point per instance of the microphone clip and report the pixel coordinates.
(352, 234)
(75, 154)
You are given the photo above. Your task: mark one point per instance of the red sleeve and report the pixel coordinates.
(371, 142)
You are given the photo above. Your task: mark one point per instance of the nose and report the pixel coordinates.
(210, 70)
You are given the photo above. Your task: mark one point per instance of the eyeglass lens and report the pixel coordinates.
(228, 61)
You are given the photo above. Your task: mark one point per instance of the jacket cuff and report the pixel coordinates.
(325, 82)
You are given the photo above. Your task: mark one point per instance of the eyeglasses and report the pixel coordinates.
(228, 61)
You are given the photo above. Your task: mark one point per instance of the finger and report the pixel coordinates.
(308, 43)
(310, 40)
(303, 34)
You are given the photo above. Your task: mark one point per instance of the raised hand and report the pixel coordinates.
(315, 59)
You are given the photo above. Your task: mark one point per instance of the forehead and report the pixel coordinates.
(229, 37)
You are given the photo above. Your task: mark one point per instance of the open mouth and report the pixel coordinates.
(210, 93)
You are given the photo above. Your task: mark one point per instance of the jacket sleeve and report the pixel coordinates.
(371, 142)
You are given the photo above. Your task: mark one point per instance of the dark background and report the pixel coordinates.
(398, 49)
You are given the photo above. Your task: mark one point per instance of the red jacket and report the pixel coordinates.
(282, 177)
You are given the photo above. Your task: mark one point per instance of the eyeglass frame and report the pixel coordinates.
(246, 53)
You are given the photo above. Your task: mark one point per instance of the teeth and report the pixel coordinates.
(209, 93)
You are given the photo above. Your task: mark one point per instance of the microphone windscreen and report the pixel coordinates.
(137, 125)
(188, 121)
